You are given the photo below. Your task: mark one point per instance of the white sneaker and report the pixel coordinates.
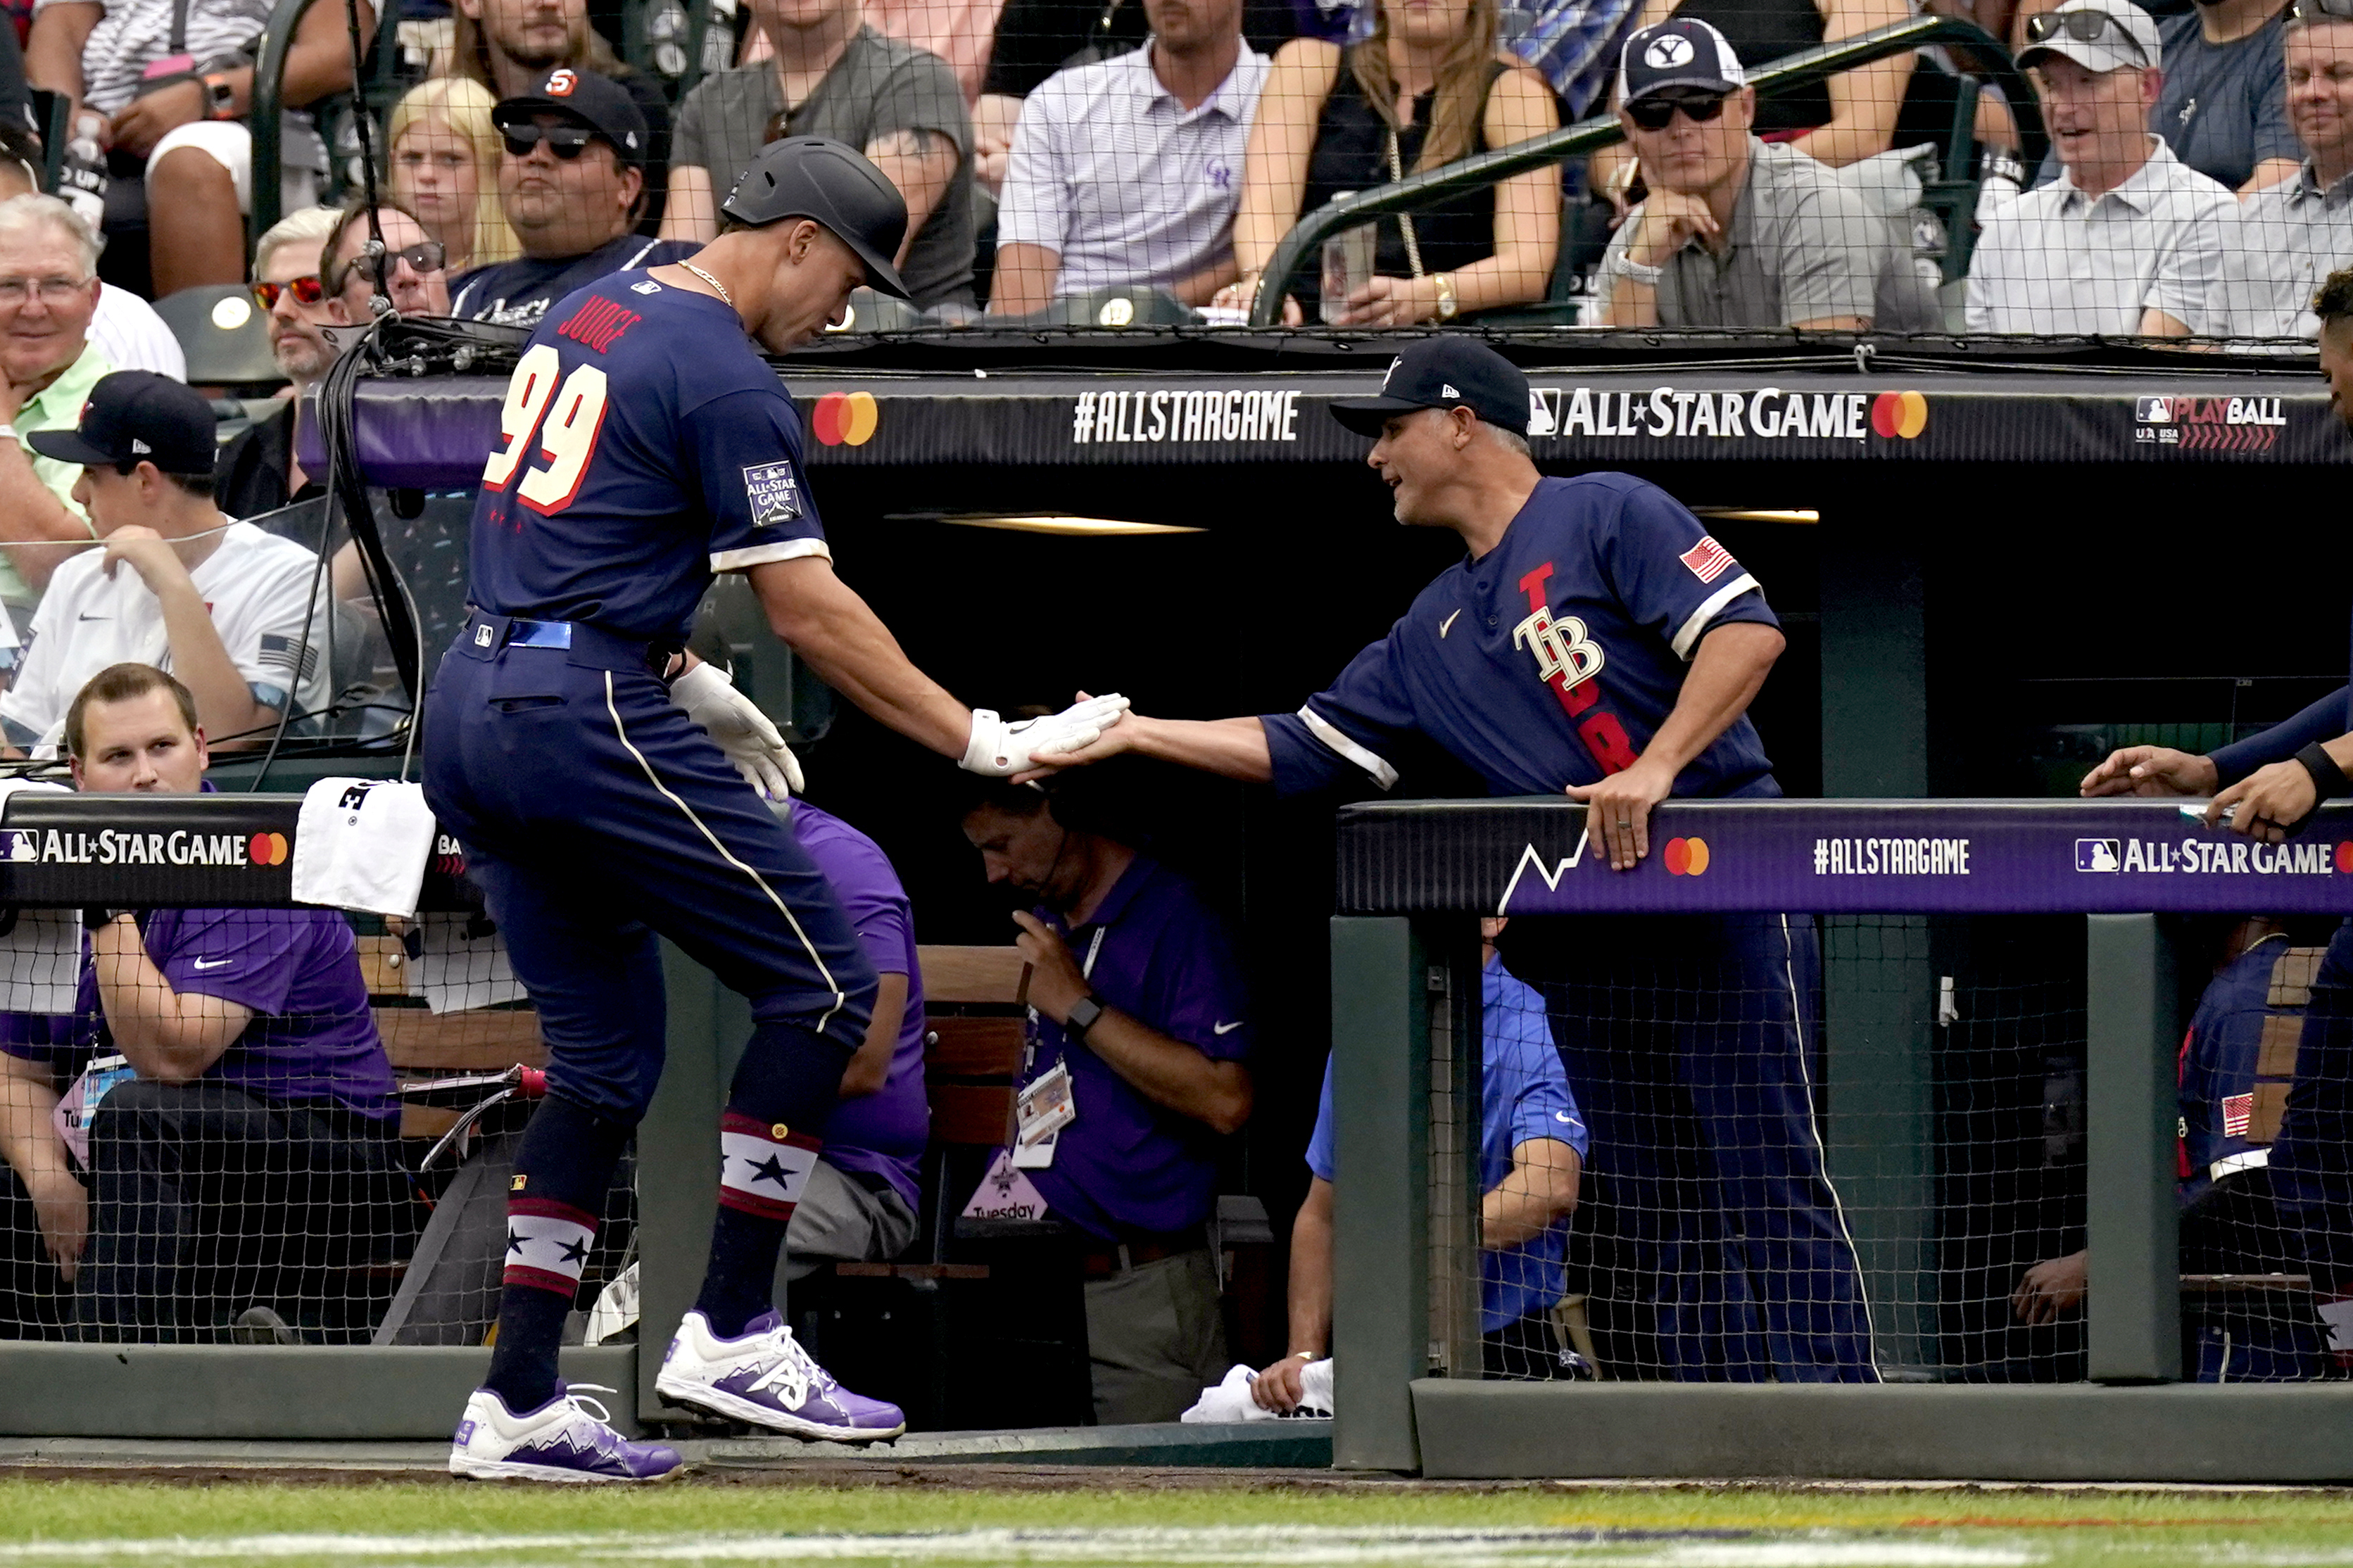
(764, 1376)
(569, 1439)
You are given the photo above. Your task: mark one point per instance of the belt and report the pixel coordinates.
(588, 645)
(1145, 1247)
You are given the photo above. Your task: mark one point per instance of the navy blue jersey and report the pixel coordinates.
(644, 447)
(2236, 1044)
(1549, 661)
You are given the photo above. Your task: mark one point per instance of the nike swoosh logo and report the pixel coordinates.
(87, 617)
(1565, 1116)
(215, 964)
(1227, 1028)
(1447, 625)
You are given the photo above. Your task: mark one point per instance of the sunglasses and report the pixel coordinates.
(427, 255)
(1656, 113)
(306, 291)
(567, 142)
(2314, 10)
(2084, 27)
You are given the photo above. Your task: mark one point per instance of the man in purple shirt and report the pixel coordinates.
(243, 1104)
(1139, 1028)
(859, 1203)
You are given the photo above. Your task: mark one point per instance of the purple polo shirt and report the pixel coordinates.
(1126, 1164)
(882, 1133)
(312, 1038)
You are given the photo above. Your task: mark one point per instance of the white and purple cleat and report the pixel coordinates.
(568, 1440)
(765, 1377)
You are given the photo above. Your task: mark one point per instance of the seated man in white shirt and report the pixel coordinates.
(2128, 241)
(238, 615)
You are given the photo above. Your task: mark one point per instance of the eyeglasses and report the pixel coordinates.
(2084, 28)
(1657, 113)
(567, 142)
(14, 291)
(307, 290)
(427, 256)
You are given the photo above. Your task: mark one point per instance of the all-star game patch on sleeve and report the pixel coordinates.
(748, 447)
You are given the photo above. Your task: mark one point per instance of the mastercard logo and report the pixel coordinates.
(267, 849)
(1903, 414)
(1686, 857)
(2345, 857)
(845, 418)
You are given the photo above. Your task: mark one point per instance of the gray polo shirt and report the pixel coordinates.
(2056, 262)
(2292, 236)
(1124, 183)
(878, 87)
(1805, 246)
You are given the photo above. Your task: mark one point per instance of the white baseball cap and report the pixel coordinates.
(2113, 34)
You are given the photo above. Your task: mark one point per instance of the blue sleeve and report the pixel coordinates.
(1320, 1162)
(2324, 720)
(747, 449)
(1198, 987)
(2272, 136)
(1352, 726)
(1530, 1087)
(1672, 576)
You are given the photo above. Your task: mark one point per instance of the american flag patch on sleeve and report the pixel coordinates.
(2236, 1110)
(279, 651)
(1707, 559)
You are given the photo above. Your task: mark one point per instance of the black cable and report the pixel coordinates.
(379, 296)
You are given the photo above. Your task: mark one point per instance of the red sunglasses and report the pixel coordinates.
(307, 290)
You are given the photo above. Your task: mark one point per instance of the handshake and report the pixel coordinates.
(1003, 750)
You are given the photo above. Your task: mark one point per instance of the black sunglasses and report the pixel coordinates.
(2084, 27)
(2314, 10)
(567, 142)
(427, 256)
(1656, 113)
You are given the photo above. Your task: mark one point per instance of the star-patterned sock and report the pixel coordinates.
(763, 1167)
(562, 1169)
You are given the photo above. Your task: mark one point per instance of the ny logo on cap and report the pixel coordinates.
(561, 83)
(1668, 51)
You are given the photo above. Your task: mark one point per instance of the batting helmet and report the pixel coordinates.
(817, 178)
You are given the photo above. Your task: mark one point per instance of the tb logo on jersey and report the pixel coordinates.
(1562, 648)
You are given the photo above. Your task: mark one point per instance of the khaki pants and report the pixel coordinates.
(1156, 1338)
(840, 1220)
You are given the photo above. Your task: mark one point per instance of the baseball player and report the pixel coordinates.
(1597, 642)
(592, 769)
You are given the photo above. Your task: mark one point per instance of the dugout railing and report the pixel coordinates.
(2108, 888)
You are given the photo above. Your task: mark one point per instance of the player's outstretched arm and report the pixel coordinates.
(1231, 747)
(2151, 769)
(824, 621)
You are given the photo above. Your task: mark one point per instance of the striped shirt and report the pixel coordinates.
(134, 34)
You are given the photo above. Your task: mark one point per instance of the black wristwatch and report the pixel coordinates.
(1083, 1013)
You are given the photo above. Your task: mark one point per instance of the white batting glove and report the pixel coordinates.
(742, 732)
(1002, 749)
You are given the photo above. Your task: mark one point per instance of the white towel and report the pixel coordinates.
(455, 971)
(361, 844)
(40, 954)
(1230, 1400)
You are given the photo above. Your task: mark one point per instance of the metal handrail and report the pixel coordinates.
(1784, 75)
(268, 117)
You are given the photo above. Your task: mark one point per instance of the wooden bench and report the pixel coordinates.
(417, 1040)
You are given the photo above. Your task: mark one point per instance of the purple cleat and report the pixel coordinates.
(765, 1377)
(569, 1440)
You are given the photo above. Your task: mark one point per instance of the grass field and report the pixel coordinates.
(374, 1526)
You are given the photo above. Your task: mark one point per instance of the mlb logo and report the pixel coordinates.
(1544, 410)
(20, 846)
(2098, 855)
(2153, 411)
(482, 636)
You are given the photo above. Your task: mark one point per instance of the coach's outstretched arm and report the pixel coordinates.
(2274, 779)
(1231, 747)
(823, 619)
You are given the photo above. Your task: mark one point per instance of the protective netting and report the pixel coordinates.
(1854, 1150)
(263, 1126)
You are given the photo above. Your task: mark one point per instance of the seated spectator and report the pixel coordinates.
(1125, 173)
(1329, 125)
(899, 105)
(2222, 107)
(1738, 231)
(1140, 1018)
(245, 1131)
(418, 283)
(511, 46)
(257, 471)
(572, 182)
(958, 31)
(858, 1205)
(2293, 234)
(49, 293)
(125, 327)
(1531, 1151)
(229, 609)
(185, 128)
(445, 169)
(2229, 1222)
(2128, 241)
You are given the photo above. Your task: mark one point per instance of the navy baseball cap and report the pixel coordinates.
(135, 416)
(833, 184)
(1444, 373)
(599, 102)
(1682, 51)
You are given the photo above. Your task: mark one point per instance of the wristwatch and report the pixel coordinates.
(1446, 302)
(220, 98)
(1083, 1013)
